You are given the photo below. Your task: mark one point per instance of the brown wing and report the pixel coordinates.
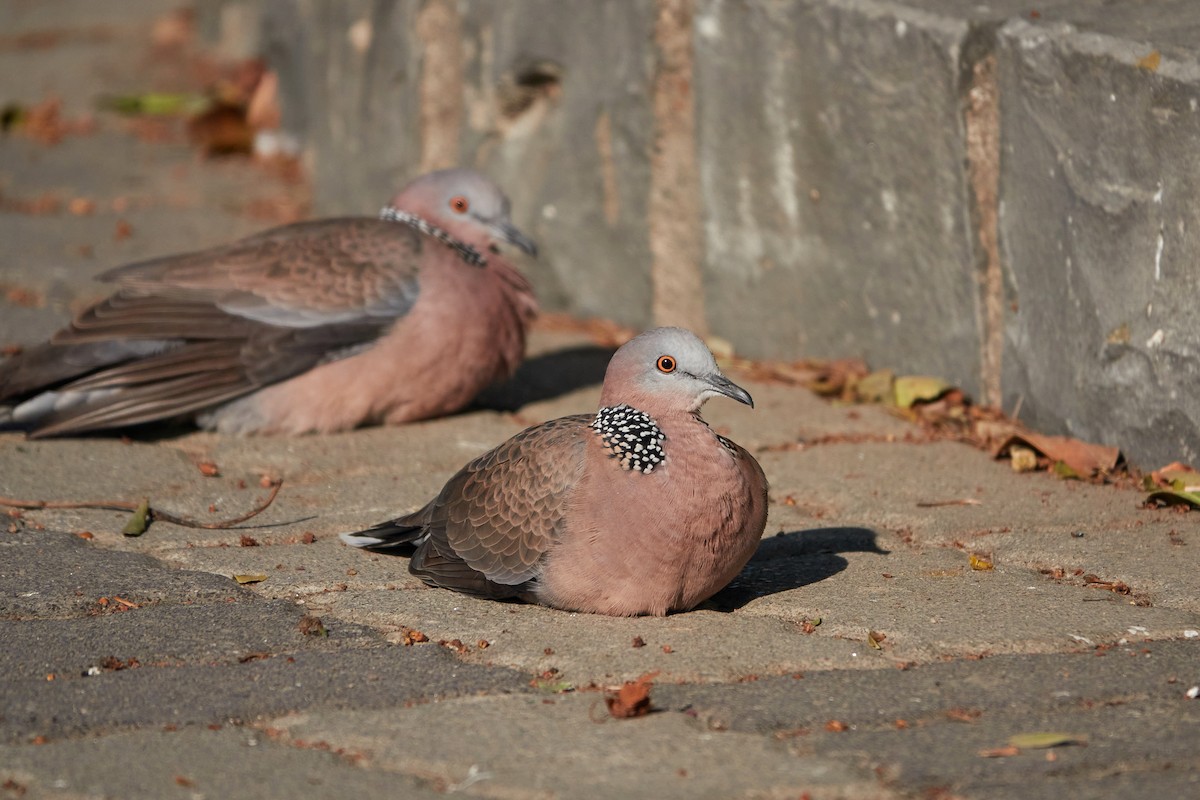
(298, 276)
(191, 376)
(494, 520)
(186, 332)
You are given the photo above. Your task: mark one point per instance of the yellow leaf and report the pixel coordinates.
(1024, 459)
(914, 388)
(140, 520)
(875, 387)
(981, 564)
(249, 578)
(1035, 741)
(1119, 334)
(1064, 471)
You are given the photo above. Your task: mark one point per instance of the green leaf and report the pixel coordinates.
(156, 104)
(915, 388)
(875, 387)
(1043, 739)
(552, 686)
(140, 520)
(1062, 470)
(1174, 497)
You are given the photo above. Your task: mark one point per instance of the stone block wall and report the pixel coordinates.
(1001, 195)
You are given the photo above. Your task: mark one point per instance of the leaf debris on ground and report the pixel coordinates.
(632, 699)
(1042, 739)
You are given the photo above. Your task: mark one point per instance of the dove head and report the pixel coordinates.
(465, 204)
(666, 370)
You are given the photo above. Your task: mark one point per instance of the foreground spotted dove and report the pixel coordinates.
(313, 327)
(640, 508)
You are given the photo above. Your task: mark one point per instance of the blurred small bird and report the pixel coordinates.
(318, 326)
(638, 509)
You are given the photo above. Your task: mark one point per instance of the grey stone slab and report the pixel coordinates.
(48, 47)
(1101, 176)
(168, 207)
(1073, 684)
(208, 633)
(210, 763)
(568, 746)
(152, 696)
(50, 575)
(928, 602)
(924, 728)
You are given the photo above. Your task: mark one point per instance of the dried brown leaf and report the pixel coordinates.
(1081, 457)
(632, 699)
(1000, 752)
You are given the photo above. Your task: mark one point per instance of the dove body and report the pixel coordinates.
(312, 327)
(638, 509)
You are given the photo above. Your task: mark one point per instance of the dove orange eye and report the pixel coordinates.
(666, 364)
(460, 204)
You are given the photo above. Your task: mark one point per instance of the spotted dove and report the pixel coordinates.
(313, 327)
(640, 508)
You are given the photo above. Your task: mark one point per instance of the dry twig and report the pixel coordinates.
(155, 513)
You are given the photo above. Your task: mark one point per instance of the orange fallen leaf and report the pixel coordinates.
(968, 715)
(632, 699)
(1175, 475)
(1081, 457)
(20, 296)
(1151, 61)
(413, 636)
(1000, 752)
(81, 206)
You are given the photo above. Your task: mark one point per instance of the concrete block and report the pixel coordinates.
(832, 161)
(1100, 175)
(937, 187)
(555, 112)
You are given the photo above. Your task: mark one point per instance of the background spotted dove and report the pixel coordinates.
(638, 509)
(312, 327)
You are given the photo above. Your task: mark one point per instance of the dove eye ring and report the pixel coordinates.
(666, 364)
(459, 204)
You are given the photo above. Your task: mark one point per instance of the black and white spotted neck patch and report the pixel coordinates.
(468, 253)
(631, 436)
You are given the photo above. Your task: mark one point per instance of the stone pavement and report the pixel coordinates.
(137, 667)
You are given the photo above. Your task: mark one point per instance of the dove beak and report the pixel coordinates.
(722, 385)
(507, 232)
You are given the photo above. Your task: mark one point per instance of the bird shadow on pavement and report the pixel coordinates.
(790, 560)
(548, 376)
